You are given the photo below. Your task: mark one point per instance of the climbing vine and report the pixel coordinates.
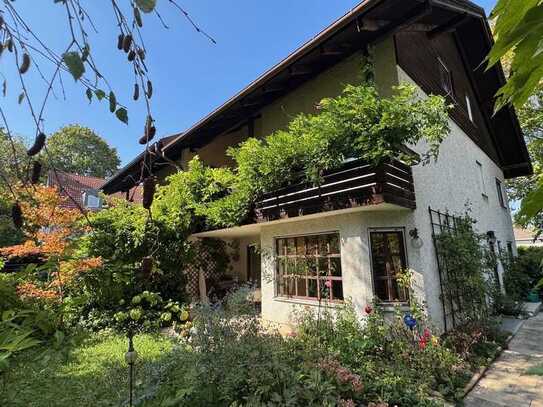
(356, 124)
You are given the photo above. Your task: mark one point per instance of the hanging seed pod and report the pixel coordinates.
(149, 89)
(127, 41)
(120, 41)
(148, 132)
(1, 21)
(137, 17)
(36, 172)
(1, 48)
(9, 45)
(136, 95)
(147, 266)
(148, 136)
(39, 142)
(141, 53)
(25, 65)
(148, 192)
(17, 215)
(112, 102)
(131, 55)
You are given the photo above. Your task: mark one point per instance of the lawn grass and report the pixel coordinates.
(89, 372)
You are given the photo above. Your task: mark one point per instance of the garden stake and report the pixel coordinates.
(130, 358)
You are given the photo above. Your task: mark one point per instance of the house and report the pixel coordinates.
(364, 224)
(526, 237)
(83, 192)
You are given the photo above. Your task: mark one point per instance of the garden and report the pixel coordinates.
(93, 280)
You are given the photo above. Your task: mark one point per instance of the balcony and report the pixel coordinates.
(354, 184)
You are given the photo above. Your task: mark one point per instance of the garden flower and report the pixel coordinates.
(422, 343)
(328, 283)
(435, 340)
(368, 309)
(426, 334)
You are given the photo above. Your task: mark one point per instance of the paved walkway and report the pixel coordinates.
(506, 382)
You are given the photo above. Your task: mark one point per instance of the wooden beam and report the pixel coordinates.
(449, 26)
(300, 70)
(368, 24)
(332, 51)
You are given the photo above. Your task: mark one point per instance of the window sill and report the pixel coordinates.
(314, 303)
(393, 306)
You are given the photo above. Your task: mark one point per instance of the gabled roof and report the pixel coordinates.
(370, 20)
(73, 186)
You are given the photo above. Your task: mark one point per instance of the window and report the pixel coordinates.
(481, 178)
(388, 259)
(92, 201)
(309, 267)
(446, 78)
(499, 191)
(510, 249)
(468, 108)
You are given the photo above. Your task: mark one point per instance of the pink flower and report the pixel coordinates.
(426, 334)
(328, 283)
(368, 309)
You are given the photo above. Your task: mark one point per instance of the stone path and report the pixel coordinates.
(506, 382)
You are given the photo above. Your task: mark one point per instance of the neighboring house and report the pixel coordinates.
(526, 237)
(83, 192)
(365, 224)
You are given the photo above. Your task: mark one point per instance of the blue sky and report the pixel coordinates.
(191, 76)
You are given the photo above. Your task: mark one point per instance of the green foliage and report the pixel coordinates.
(518, 27)
(80, 150)
(396, 364)
(74, 63)
(122, 236)
(518, 30)
(468, 271)
(356, 124)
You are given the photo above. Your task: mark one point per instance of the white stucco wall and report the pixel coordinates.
(450, 184)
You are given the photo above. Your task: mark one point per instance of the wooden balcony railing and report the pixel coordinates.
(352, 185)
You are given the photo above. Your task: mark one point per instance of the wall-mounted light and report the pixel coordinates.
(416, 241)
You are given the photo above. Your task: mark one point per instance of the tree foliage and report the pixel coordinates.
(80, 150)
(518, 27)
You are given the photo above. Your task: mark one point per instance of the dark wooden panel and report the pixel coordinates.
(418, 56)
(354, 184)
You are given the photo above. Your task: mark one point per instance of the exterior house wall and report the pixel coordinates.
(305, 98)
(450, 184)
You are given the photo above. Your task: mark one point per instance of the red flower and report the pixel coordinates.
(422, 343)
(368, 309)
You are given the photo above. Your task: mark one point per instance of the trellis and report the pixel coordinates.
(445, 222)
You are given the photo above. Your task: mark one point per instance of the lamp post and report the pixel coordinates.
(131, 356)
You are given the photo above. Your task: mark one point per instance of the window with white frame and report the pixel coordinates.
(500, 193)
(468, 108)
(92, 201)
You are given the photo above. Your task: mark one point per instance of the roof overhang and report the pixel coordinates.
(363, 25)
